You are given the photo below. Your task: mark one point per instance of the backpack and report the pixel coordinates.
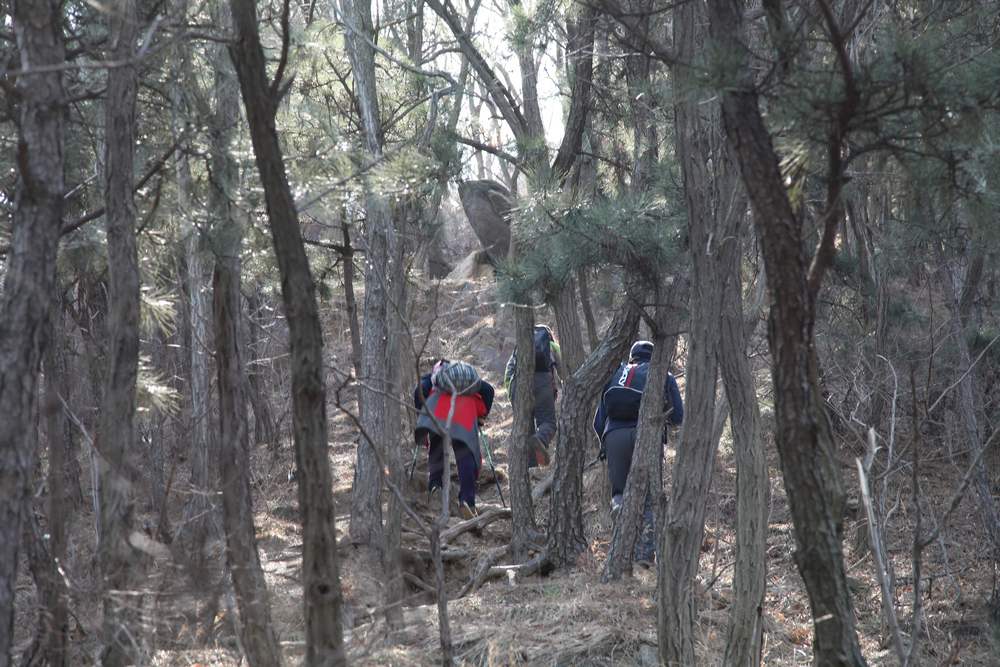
(457, 378)
(622, 399)
(543, 350)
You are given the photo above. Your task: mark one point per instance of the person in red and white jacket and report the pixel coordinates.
(470, 411)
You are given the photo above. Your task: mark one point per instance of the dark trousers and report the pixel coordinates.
(620, 445)
(465, 461)
(545, 407)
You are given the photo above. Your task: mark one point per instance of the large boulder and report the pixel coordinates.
(487, 205)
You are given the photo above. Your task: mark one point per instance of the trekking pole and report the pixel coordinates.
(489, 457)
(413, 463)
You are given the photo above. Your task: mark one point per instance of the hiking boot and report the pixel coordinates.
(616, 507)
(540, 451)
(467, 510)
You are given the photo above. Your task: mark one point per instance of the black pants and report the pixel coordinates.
(619, 445)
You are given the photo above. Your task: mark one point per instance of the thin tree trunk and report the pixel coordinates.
(29, 279)
(524, 530)
(366, 499)
(384, 307)
(64, 497)
(640, 488)
(198, 506)
(588, 311)
(260, 643)
(811, 471)
(350, 302)
(567, 538)
(320, 567)
(121, 634)
(745, 635)
(264, 428)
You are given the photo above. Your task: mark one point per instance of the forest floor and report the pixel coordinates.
(569, 617)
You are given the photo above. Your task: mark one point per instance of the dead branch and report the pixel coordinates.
(477, 523)
(482, 570)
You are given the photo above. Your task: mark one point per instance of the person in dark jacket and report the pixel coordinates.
(616, 421)
(470, 410)
(546, 365)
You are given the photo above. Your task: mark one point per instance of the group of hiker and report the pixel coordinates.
(454, 399)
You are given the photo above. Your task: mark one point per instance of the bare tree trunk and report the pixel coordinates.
(524, 530)
(709, 190)
(811, 471)
(640, 488)
(64, 497)
(366, 499)
(350, 302)
(198, 507)
(320, 567)
(384, 309)
(264, 428)
(260, 643)
(29, 279)
(567, 538)
(116, 430)
(588, 311)
(745, 635)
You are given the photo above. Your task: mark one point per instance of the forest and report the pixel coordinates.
(268, 267)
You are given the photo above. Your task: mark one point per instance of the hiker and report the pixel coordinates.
(547, 362)
(615, 424)
(473, 397)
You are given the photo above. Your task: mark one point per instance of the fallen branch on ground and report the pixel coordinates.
(477, 523)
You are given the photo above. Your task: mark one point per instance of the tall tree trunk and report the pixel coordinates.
(260, 642)
(745, 635)
(709, 186)
(567, 538)
(116, 428)
(809, 465)
(524, 529)
(320, 567)
(64, 496)
(384, 308)
(198, 506)
(29, 279)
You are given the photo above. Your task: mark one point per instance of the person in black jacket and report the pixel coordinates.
(616, 421)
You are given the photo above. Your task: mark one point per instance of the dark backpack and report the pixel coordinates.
(622, 399)
(543, 350)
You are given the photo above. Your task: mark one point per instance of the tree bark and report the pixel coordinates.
(644, 479)
(524, 529)
(116, 429)
(381, 347)
(260, 643)
(320, 567)
(29, 279)
(710, 192)
(753, 490)
(264, 429)
(567, 538)
(811, 473)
